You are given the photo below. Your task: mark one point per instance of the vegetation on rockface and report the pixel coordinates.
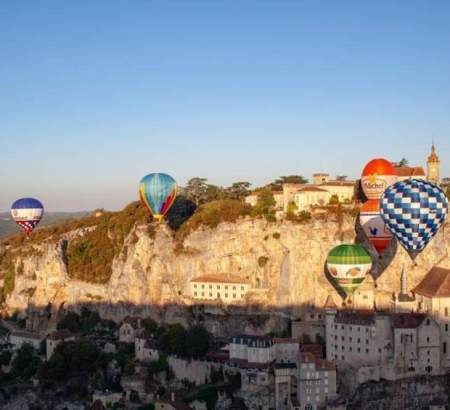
(213, 213)
(7, 274)
(90, 256)
(265, 205)
(83, 323)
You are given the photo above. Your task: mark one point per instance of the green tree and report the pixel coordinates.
(238, 190)
(265, 205)
(277, 185)
(198, 341)
(291, 211)
(149, 324)
(196, 189)
(403, 163)
(334, 200)
(26, 363)
(173, 340)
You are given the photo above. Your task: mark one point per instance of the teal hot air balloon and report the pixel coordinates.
(158, 192)
(348, 266)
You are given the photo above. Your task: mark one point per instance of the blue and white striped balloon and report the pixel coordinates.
(414, 210)
(27, 212)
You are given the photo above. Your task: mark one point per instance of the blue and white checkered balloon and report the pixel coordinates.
(414, 210)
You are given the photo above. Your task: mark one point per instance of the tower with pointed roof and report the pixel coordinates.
(433, 166)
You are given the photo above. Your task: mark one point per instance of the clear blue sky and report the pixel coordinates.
(96, 94)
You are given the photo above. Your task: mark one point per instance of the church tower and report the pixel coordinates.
(433, 166)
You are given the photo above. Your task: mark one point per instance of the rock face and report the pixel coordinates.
(284, 261)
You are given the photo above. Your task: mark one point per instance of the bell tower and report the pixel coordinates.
(433, 166)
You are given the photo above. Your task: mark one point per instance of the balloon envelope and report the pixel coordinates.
(373, 225)
(414, 210)
(27, 213)
(377, 175)
(348, 265)
(157, 192)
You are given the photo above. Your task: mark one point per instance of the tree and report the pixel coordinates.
(196, 189)
(173, 340)
(291, 211)
(403, 163)
(334, 200)
(265, 205)
(149, 324)
(26, 363)
(341, 177)
(198, 341)
(277, 185)
(238, 190)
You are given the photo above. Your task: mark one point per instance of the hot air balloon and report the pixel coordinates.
(27, 212)
(348, 265)
(373, 225)
(158, 192)
(414, 210)
(377, 175)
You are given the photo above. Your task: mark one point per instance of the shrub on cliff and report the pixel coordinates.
(213, 213)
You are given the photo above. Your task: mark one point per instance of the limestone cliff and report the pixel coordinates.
(284, 262)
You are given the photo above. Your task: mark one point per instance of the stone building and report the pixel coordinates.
(130, 328)
(316, 382)
(224, 287)
(311, 195)
(433, 297)
(404, 173)
(416, 345)
(145, 349)
(286, 350)
(251, 349)
(55, 338)
(20, 337)
(433, 167)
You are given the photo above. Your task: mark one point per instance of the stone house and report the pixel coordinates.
(286, 349)
(129, 329)
(137, 386)
(417, 347)
(171, 402)
(251, 349)
(55, 338)
(316, 382)
(433, 297)
(107, 398)
(145, 349)
(20, 337)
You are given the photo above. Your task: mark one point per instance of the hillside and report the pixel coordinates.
(9, 227)
(122, 263)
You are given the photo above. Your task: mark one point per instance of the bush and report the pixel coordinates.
(304, 216)
(26, 363)
(84, 323)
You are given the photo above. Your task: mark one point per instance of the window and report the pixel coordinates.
(446, 327)
(234, 295)
(350, 328)
(359, 350)
(203, 286)
(234, 287)
(428, 322)
(195, 285)
(367, 350)
(203, 293)
(218, 294)
(210, 286)
(359, 340)
(226, 295)
(428, 340)
(350, 339)
(343, 348)
(342, 338)
(242, 288)
(367, 341)
(195, 293)
(350, 349)
(444, 347)
(218, 286)
(446, 311)
(210, 294)
(226, 287)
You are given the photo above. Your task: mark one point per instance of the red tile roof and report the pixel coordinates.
(306, 357)
(220, 278)
(436, 283)
(410, 171)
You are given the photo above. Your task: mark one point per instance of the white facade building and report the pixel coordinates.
(251, 349)
(224, 287)
(20, 337)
